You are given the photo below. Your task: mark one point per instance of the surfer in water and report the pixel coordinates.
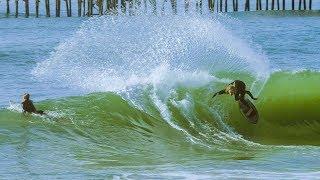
(28, 106)
(238, 89)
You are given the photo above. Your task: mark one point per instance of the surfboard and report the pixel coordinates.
(249, 111)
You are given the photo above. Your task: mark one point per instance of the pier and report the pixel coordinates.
(88, 8)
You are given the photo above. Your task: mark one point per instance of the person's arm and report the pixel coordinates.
(219, 93)
(249, 93)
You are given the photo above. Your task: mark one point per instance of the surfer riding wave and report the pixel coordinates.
(238, 89)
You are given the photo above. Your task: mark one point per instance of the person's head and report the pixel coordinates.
(26, 96)
(230, 89)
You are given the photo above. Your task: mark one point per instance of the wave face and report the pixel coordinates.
(289, 110)
(183, 125)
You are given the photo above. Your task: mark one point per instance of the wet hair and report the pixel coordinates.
(26, 96)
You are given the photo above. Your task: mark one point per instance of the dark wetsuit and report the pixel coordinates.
(240, 91)
(28, 106)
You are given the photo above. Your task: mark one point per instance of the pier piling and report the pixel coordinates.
(258, 5)
(47, 2)
(17, 8)
(26, 5)
(70, 8)
(310, 4)
(300, 1)
(247, 5)
(67, 7)
(100, 7)
(37, 8)
(108, 7)
(237, 5)
(226, 6)
(58, 7)
(8, 8)
(84, 8)
(233, 5)
(210, 5)
(79, 8)
(90, 8)
(292, 4)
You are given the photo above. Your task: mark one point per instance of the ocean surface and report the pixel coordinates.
(130, 97)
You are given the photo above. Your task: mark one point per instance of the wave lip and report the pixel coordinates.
(111, 54)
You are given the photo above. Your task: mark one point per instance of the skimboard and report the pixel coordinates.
(249, 111)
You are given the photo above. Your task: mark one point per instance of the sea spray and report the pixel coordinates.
(110, 54)
(158, 56)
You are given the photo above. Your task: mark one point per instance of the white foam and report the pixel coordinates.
(13, 106)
